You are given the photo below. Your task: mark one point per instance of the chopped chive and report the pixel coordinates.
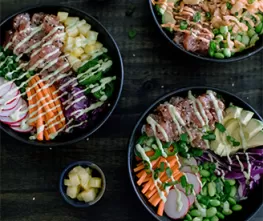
(162, 167)
(156, 173)
(183, 25)
(220, 127)
(208, 15)
(236, 13)
(183, 137)
(169, 172)
(209, 137)
(183, 181)
(229, 5)
(197, 17)
(132, 33)
(233, 141)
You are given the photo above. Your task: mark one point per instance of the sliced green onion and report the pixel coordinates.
(208, 15)
(183, 25)
(161, 166)
(183, 137)
(233, 141)
(168, 172)
(132, 33)
(197, 17)
(229, 5)
(209, 136)
(183, 181)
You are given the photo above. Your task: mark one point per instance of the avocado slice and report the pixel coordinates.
(257, 140)
(232, 112)
(246, 116)
(252, 128)
(232, 125)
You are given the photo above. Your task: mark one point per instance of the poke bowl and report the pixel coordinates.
(222, 32)
(61, 75)
(196, 154)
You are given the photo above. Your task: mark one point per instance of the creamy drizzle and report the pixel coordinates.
(219, 112)
(193, 99)
(154, 124)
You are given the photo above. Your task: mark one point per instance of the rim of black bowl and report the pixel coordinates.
(143, 116)
(77, 203)
(245, 54)
(113, 103)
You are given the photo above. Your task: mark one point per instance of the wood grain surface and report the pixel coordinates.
(29, 175)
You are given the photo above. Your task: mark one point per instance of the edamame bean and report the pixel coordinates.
(260, 17)
(213, 177)
(231, 182)
(233, 191)
(197, 219)
(232, 201)
(226, 206)
(239, 38)
(211, 189)
(188, 217)
(219, 55)
(211, 212)
(254, 39)
(205, 173)
(237, 207)
(219, 38)
(203, 180)
(220, 215)
(214, 202)
(214, 218)
(195, 212)
(215, 31)
(206, 219)
(204, 191)
(251, 32)
(227, 52)
(245, 40)
(259, 28)
(227, 213)
(223, 29)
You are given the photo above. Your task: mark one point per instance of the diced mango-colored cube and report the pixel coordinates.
(68, 48)
(72, 191)
(78, 42)
(72, 32)
(85, 57)
(89, 195)
(84, 29)
(77, 52)
(79, 197)
(62, 16)
(81, 22)
(84, 178)
(89, 170)
(95, 182)
(89, 49)
(71, 21)
(92, 35)
(70, 40)
(67, 182)
(98, 45)
(74, 179)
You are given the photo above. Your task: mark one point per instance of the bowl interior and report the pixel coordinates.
(238, 56)
(255, 199)
(117, 69)
(96, 172)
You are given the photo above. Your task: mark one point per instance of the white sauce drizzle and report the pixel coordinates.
(219, 112)
(193, 99)
(154, 124)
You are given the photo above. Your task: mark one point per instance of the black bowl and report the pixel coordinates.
(255, 198)
(117, 69)
(238, 56)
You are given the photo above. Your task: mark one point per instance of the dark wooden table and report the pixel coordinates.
(29, 175)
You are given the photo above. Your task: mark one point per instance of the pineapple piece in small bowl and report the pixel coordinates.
(82, 184)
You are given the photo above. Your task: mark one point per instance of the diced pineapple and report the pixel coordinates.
(74, 179)
(68, 48)
(89, 171)
(67, 182)
(76, 169)
(95, 182)
(98, 45)
(90, 49)
(84, 29)
(77, 65)
(70, 40)
(92, 35)
(71, 21)
(79, 197)
(85, 57)
(72, 32)
(89, 195)
(62, 16)
(72, 191)
(84, 178)
(77, 52)
(86, 186)
(80, 23)
(78, 42)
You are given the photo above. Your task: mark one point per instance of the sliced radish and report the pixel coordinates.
(7, 98)
(5, 86)
(11, 104)
(9, 112)
(22, 130)
(192, 179)
(171, 204)
(191, 199)
(186, 169)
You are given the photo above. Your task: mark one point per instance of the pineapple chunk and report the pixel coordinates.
(89, 195)
(76, 169)
(72, 32)
(86, 186)
(98, 45)
(90, 49)
(84, 178)
(71, 21)
(77, 65)
(92, 35)
(67, 182)
(85, 57)
(74, 179)
(68, 48)
(95, 182)
(77, 52)
(62, 16)
(84, 29)
(89, 171)
(79, 197)
(70, 41)
(72, 191)
(78, 42)
(80, 23)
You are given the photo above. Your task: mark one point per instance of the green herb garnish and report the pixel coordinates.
(236, 13)
(183, 25)
(209, 137)
(156, 173)
(183, 181)
(161, 166)
(168, 172)
(208, 15)
(197, 17)
(132, 33)
(233, 141)
(183, 137)
(250, 1)
(229, 5)
(220, 127)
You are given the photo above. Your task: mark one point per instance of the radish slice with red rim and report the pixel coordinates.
(5, 87)
(11, 104)
(22, 130)
(171, 205)
(7, 113)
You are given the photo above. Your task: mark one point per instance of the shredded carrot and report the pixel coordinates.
(160, 208)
